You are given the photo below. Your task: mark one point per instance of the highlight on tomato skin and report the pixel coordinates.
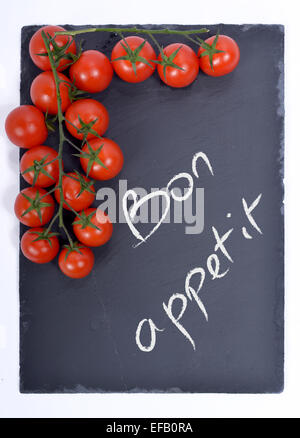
(37, 47)
(224, 61)
(92, 72)
(76, 263)
(39, 250)
(102, 159)
(180, 70)
(84, 113)
(78, 191)
(31, 210)
(93, 228)
(43, 92)
(38, 167)
(25, 126)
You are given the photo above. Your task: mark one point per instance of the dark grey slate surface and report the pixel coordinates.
(79, 335)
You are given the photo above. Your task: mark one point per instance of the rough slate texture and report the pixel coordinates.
(79, 335)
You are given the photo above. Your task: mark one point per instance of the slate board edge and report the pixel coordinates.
(81, 388)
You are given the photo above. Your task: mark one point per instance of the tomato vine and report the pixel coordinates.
(60, 119)
(133, 59)
(54, 58)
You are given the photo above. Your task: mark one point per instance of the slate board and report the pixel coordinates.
(79, 335)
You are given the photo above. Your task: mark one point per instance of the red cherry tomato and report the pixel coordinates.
(78, 191)
(37, 47)
(25, 126)
(89, 235)
(31, 210)
(223, 62)
(77, 263)
(135, 68)
(34, 167)
(187, 62)
(88, 110)
(42, 250)
(92, 72)
(43, 92)
(103, 151)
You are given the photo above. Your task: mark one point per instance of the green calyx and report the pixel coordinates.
(74, 93)
(168, 61)
(85, 220)
(84, 185)
(73, 57)
(133, 56)
(86, 129)
(210, 50)
(92, 156)
(44, 235)
(74, 246)
(49, 121)
(59, 53)
(37, 168)
(35, 204)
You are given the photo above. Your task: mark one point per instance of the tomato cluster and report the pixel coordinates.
(134, 60)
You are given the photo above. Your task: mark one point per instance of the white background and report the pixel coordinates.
(15, 14)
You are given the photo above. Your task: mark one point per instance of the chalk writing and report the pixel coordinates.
(197, 275)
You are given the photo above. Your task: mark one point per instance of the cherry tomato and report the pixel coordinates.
(37, 248)
(76, 263)
(92, 113)
(31, 210)
(43, 92)
(137, 55)
(78, 191)
(182, 56)
(223, 62)
(37, 47)
(98, 152)
(25, 126)
(34, 167)
(89, 235)
(92, 72)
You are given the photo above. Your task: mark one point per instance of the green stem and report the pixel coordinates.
(50, 162)
(60, 116)
(193, 40)
(60, 119)
(70, 176)
(49, 192)
(132, 30)
(52, 222)
(72, 144)
(72, 209)
(67, 234)
(155, 42)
